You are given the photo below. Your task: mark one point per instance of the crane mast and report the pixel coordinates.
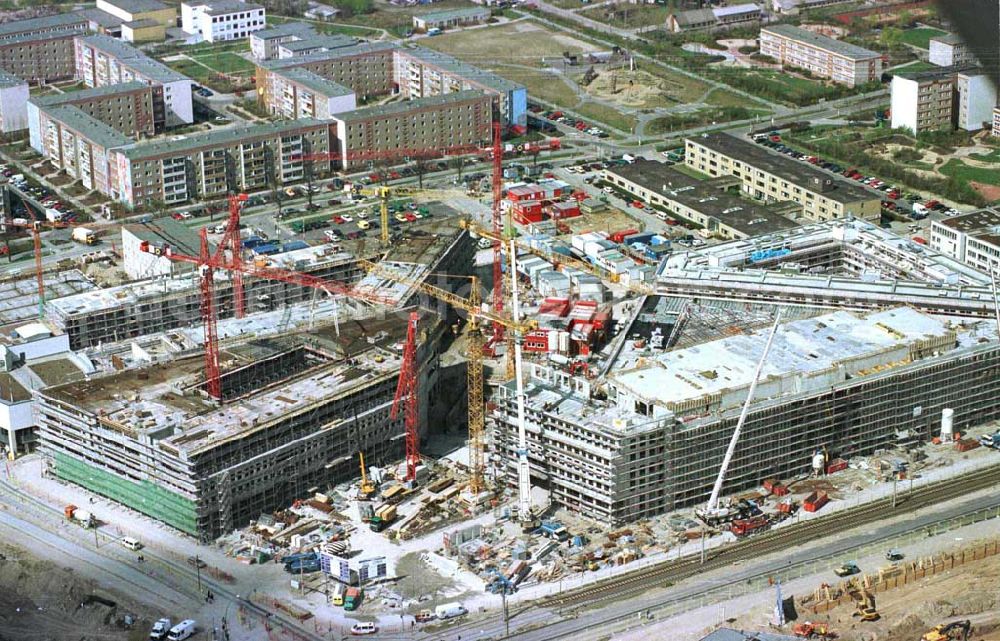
(523, 467)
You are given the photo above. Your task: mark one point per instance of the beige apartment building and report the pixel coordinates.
(213, 164)
(825, 57)
(128, 108)
(300, 93)
(38, 58)
(78, 144)
(772, 177)
(366, 69)
(446, 120)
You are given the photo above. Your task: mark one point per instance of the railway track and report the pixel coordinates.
(669, 572)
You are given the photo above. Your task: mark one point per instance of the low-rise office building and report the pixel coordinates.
(776, 178)
(435, 122)
(709, 203)
(452, 18)
(219, 20)
(101, 60)
(714, 18)
(13, 103)
(825, 57)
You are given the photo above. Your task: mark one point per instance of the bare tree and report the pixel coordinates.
(421, 165)
(458, 164)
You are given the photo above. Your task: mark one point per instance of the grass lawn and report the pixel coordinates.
(541, 84)
(678, 87)
(993, 156)
(568, 4)
(630, 16)
(921, 36)
(791, 88)
(607, 115)
(522, 43)
(227, 63)
(722, 98)
(958, 169)
(192, 70)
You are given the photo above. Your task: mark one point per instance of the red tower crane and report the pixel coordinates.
(407, 388)
(498, 229)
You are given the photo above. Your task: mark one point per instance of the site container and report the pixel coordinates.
(815, 502)
(836, 465)
(967, 444)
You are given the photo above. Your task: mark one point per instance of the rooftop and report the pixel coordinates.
(838, 47)
(972, 222)
(802, 174)
(334, 41)
(362, 49)
(17, 38)
(87, 126)
(314, 82)
(67, 21)
(223, 7)
(736, 9)
(142, 24)
(138, 6)
(803, 349)
(133, 58)
(285, 30)
(455, 66)
(10, 80)
(704, 196)
(949, 39)
(218, 137)
(694, 17)
(84, 95)
(406, 106)
(101, 18)
(167, 232)
(440, 16)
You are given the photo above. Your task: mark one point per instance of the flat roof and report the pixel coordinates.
(972, 222)
(224, 7)
(467, 12)
(949, 39)
(138, 6)
(140, 24)
(736, 9)
(11, 391)
(67, 20)
(10, 80)
(284, 30)
(381, 111)
(167, 232)
(333, 41)
(360, 49)
(315, 82)
(838, 47)
(801, 174)
(704, 196)
(464, 70)
(87, 126)
(101, 18)
(217, 137)
(84, 95)
(804, 349)
(20, 38)
(133, 58)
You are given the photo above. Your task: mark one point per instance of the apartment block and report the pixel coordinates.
(221, 20)
(13, 103)
(102, 60)
(215, 163)
(977, 96)
(923, 101)
(60, 24)
(950, 50)
(39, 58)
(77, 144)
(825, 57)
(996, 122)
(300, 93)
(453, 18)
(773, 178)
(458, 118)
(128, 108)
(973, 238)
(264, 43)
(364, 68)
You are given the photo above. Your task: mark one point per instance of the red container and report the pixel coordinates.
(836, 465)
(815, 502)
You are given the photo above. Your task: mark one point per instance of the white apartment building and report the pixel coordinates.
(972, 238)
(922, 101)
(220, 20)
(976, 98)
(996, 121)
(950, 50)
(824, 57)
(13, 103)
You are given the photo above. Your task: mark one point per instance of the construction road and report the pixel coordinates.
(631, 595)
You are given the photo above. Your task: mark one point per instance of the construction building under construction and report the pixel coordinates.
(295, 412)
(649, 435)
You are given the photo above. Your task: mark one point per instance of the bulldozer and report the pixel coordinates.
(954, 631)
(865, 603)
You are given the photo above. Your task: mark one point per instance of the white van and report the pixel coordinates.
(181, 631)
(365, 627)
(130, 543)
(450, 611)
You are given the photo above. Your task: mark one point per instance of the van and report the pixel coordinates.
(450, 611)
(130, 543)
(181, 631)
(364, 627)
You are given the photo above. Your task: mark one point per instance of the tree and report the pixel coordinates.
(458, 164)
(420, 165)
(307, 171)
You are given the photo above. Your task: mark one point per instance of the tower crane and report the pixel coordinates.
(385, 193)
(406, 391)
(712, 512)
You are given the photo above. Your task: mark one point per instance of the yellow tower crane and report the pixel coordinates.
(477, 316)
(386, 193)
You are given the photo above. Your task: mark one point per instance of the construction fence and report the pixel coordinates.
(897, 576)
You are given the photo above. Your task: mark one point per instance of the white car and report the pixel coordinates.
(347, 219)
(609, 190)
(363, 628)
(331, 235)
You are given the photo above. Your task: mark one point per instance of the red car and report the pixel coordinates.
(410, 217)
(637, 204)
(394, 175)
(176, 215)
(918, 239)
(339, 220)
(892, 195)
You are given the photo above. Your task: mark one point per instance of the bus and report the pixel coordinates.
(337, 594)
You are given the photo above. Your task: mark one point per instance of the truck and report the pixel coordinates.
(450, 611)
(746, 527)
(990, 440)
(384, 515)
(83, 517)
(352, 598)
(554, 530)
(84, 236)
(181, 631)
(160, 630)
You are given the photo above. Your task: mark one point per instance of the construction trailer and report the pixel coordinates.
(294, 413)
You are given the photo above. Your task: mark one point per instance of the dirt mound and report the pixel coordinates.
(909, 627)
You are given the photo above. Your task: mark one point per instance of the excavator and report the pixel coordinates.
(865, 603)
(954, 631)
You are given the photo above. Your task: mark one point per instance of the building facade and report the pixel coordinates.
(300, 93)
(950, 50)
(825, 57)
(221, 20)
(923, 101)
(13, 103)
(39, 58)
(977, 96)
(776, 178)
(102, 60)
(136, 10)
(453, 18)
(973, 238)
(264, 43)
